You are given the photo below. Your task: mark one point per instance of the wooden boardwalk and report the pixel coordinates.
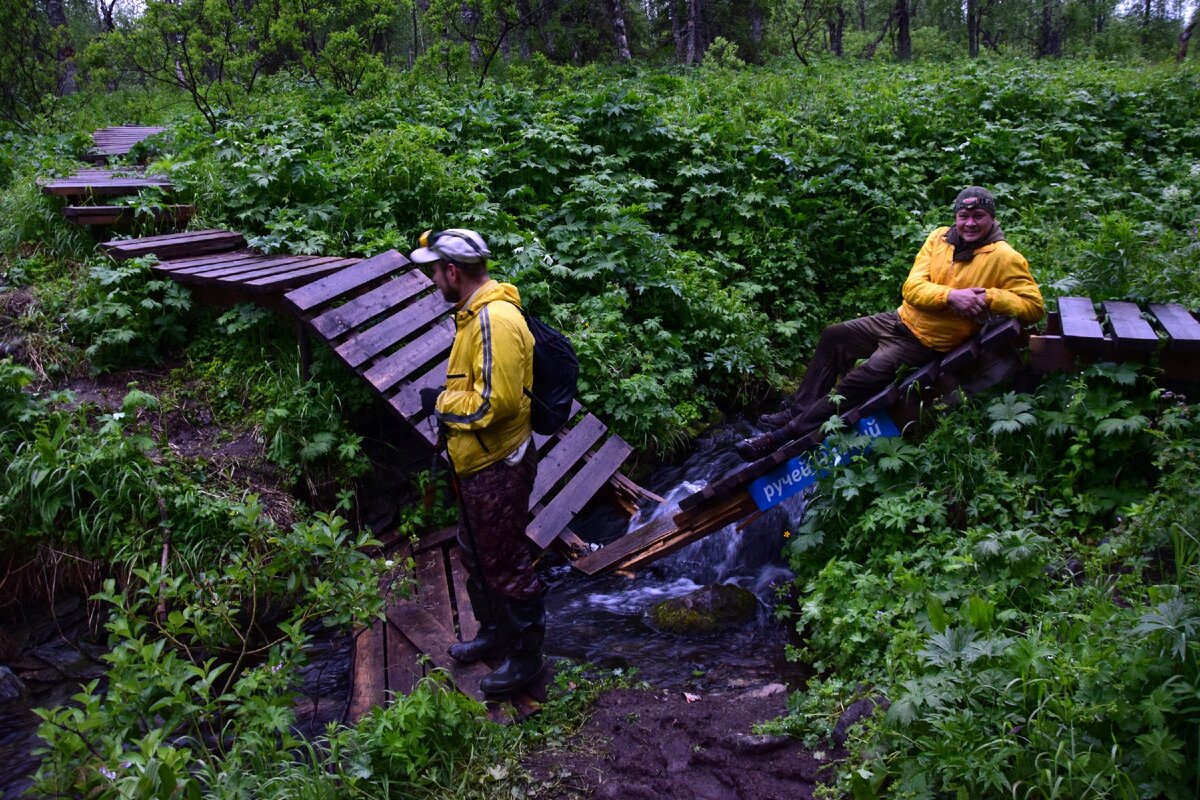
(1081, 332)
(118, 141)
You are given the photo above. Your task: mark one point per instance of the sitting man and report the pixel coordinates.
(962, 273)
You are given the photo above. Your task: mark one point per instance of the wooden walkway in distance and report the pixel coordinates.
(118, 141)
(104, 182)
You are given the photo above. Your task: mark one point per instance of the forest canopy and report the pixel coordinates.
(217, 51)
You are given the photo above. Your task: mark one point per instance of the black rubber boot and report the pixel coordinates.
(763, 445)
(490, 641)
(776, 420)
(526, 624)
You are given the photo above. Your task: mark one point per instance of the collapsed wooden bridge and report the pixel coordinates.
(385, 321)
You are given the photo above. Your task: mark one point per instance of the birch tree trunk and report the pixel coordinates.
(620, 39)
(1185, 36)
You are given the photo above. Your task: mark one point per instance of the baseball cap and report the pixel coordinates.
(460, 245)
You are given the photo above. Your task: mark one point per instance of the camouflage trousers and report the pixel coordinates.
(494, 505)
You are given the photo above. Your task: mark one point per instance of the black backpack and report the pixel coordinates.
(555, 376)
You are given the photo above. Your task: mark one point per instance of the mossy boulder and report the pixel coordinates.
(708, 609)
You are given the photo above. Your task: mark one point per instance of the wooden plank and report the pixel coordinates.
(195, 261)
(368, 671)
(961, 356)
(578, 491)
(341, 319)
(433, 640)
(320, 292)
(923, 377)
(1179, 324)
(468, 626)
(540, 439)
(265, 273)
(124, 215)
(389, 371)
(404, 666)
(738, 507)
(998, 334)
(211, 272)
(196, 242)
(407, 402)
(367, 344)
(288, 280)
(632, 542)
(433, 592)
(1050, 354)
(1131, 333)
(566, 453)
(1080, 327)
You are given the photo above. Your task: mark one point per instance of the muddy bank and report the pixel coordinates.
(650, 744)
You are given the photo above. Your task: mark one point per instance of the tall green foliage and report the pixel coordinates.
(977, 583)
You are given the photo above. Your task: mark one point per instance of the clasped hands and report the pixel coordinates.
(969, 303)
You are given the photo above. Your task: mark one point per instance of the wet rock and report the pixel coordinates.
(10, 685)
(756, 743)
(766, 691)
(708, 609)
(856, 712)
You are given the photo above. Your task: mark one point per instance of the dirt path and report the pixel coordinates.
(646, 744)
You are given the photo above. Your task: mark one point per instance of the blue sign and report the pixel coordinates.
(801, 472)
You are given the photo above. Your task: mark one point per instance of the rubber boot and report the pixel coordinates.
(490, 641)
(526, 624)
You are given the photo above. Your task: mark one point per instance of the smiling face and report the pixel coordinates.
(973, 224)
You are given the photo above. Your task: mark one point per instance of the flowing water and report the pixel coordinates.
(604, 620)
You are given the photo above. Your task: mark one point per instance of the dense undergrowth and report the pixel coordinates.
(1019, 594)
(1021, 585)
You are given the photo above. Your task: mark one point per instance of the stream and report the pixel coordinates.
(601, 620)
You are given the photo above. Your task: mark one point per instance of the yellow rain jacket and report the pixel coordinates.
(484, 406)
(996, 267)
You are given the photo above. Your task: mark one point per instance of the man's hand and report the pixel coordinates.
(429, 398)
(969, 303)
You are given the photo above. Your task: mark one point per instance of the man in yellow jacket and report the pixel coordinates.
(484, 411)
(963, 273)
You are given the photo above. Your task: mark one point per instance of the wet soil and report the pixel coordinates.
(650, 744)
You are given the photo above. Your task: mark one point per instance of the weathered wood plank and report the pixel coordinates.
(404, 666)
(433, 591)
(195, 261)
(632, 542)
(961, 356)
(214, 272)
(323, 291)
(433, 640)
(1179, 324)
(170, 245)
(376, 339)
(125, 215)
(998, 334)
(299, 277)
(1131, 333)
(407, 402)
(1050, 354)
(368, 671)
(342, 319)
(468, 626)
(566, 453)
(579, 490)
(396, 367)
(1080, 327)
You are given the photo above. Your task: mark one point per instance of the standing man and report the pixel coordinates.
(484, 411)
(963, 272)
